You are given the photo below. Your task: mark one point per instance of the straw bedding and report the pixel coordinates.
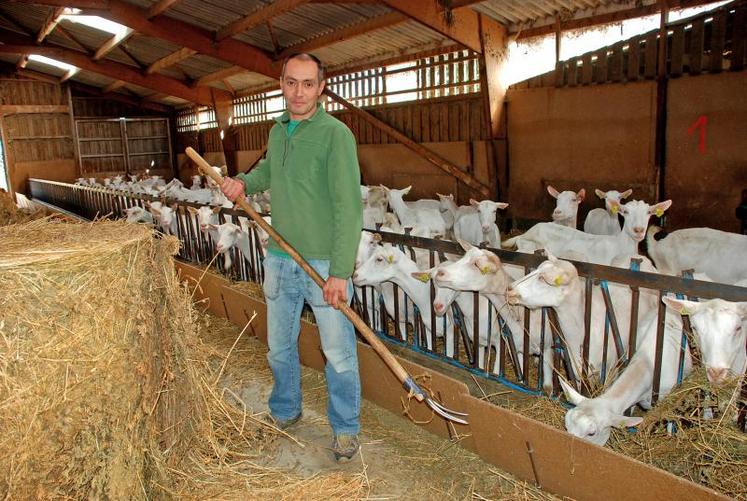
(105, 391)
(10, 213)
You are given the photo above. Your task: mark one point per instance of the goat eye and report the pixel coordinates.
(379, 259)
(591, 434)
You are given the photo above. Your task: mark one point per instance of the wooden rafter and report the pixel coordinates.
(345, 33)
(273, 38)
(14, 43)
(65, 33)
(463, 28)
(258, 17)
(68, 75)
(160, 7)
(50, 23)
(132, 57)
(113, 42)
(113, 86)
(218, 75)
(15, 23)
(95, 91)
(169, 60)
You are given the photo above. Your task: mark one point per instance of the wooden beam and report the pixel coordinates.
(113, 86)
(193, 37)
(461, 25)
(258, 17)
(167, 61)
(15, 23)
(493, 38)
(418, 148)
(78, 4)
(339, 35)
(14, 43)
(160, 7)
(22, 62)
(273, 38)
(218, 75)
(113, 42)
(50, 23)
(69, 74)
(129, 54)
(224, 116)
(61, 30)
(33, 108)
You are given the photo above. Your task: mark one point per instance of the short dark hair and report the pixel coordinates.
(305, 56)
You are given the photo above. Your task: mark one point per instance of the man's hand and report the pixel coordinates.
(335, 291)
(232, 188)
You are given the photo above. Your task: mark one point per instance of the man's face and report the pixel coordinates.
(301, 88)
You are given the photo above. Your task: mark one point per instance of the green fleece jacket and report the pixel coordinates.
(314, 179)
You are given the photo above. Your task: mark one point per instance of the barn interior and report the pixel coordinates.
(485, 100)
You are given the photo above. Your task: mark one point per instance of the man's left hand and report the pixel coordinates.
(335, 291)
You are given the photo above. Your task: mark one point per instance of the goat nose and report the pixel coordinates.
(438, 307)
(638, 229)
(716, 374)
(511, 295)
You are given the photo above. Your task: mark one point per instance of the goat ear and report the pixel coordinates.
(216, 210)
(377, 237)
(552, 191)
(660, 208)
(490, 264)
(464, 244)
(600, 193)
(474, 203)
(192, 210)
(620, 421)
(626, 194)
(405, 191)
(501, 205)
(581, 195)
(681, 306)
(423, 276)
(571, 394)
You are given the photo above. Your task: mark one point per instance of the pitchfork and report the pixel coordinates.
(407, 381)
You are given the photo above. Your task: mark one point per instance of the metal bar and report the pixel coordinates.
(661, 319)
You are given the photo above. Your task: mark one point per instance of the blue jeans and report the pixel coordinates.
(286, 287)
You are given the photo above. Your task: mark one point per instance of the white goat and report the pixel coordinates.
(420, 215)
(719, 254)
(479, 227)
(600, 249)
(566, 206)
(388, 263)
(604, 221)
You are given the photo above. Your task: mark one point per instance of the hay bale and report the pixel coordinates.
(89, 347)
(105, 391)
(10, 213)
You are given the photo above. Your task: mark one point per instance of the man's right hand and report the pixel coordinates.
(232, 188)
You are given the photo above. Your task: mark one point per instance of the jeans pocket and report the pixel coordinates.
(273, 276)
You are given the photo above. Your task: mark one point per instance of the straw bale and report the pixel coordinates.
(104, 391)
(10, 213)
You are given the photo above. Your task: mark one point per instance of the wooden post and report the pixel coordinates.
(224, 116)
(418, 148)
(493, 40)
(661, 103)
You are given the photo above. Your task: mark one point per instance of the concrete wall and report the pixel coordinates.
(706, 186)
(584, 137)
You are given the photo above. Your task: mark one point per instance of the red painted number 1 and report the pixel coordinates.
(700, 123)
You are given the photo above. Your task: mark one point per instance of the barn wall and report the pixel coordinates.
(577, 138)
(37, 144)
(706, 185)
(602, 136)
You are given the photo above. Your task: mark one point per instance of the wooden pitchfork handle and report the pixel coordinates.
(362, 327)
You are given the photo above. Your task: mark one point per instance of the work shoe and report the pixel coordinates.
(344, 447)
(284, 424)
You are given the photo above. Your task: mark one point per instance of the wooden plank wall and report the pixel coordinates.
(449, 119)
(35, 141)
(710, 43)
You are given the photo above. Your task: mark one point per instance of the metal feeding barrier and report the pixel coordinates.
(513, 362)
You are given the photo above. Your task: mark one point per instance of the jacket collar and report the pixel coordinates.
(285, 117)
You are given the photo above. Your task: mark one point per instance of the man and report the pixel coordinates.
(311, 167)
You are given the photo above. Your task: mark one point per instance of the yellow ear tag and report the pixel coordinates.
(390, 259)
(424, 277)
(614, 210)
(557, 280)
(685, 311)
(485, 270)
(659, 212)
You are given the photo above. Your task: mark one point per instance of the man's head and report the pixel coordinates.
(302, 82)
